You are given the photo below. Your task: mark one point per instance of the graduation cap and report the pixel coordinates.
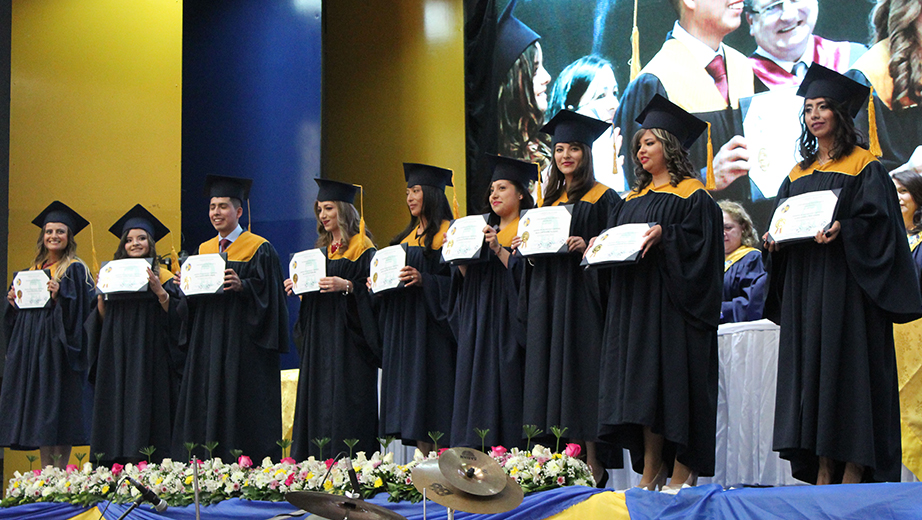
(666, 115)
(334, 190)
(139, 218)
(426, 175)
(57, 211)
(506, 168)
(568, 127)
(512, 38)
(821, 82)
(223, 186)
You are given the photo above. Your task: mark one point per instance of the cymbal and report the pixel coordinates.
(472, 471)
(428, 475)
(336, 507)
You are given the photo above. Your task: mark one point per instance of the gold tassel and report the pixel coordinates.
(872, 127)
(249, 217)
(361, 211)
(540, 192)
(711, 184)
(455, 208)
(93, 249)
(635, 47)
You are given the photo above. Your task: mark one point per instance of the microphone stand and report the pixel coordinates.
(134, 505)
(195, 486)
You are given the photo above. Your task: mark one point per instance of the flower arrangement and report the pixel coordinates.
(535, 470)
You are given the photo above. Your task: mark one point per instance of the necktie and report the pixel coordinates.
(800, 70)
(223, 244)
(718, 70)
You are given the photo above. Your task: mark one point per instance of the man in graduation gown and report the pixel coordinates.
(231, 391)
(787, 46)
(696, 71)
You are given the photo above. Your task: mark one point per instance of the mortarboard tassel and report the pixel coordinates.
(361, 211)
(614, 151)
(635, 47)
(711, 184)
(872, 127)
(249, 217)
(93, 251)
(455, 208)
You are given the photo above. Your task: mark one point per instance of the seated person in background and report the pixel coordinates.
(783, 31)
(744, 275)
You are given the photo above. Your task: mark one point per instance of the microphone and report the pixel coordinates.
(148, 495)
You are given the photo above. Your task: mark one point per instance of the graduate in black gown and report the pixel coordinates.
(134, 356)
(836, 298)
(909, 190)
(491, 359)
(744, 276)
(336, 335)
(418, 348)
(561, 305)
(658, 394)
(42, 401)
(231, 390)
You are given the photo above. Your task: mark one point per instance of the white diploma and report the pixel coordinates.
(772, 129)
(544, 230)
(32, 289)
(203, 274)
(465, 238)
(802, 216)
(618, 244)
(126, 275)
(385, 268)
(305, 269)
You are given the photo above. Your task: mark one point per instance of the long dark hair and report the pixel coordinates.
(519, 117)
(581, 182)
(844, 137)
(527, 202)
(435, 210)
(677, 163)
(121, 253)
(913, 183)
(573, 82)
(896, 19)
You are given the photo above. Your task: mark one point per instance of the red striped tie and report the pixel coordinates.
(718, 70)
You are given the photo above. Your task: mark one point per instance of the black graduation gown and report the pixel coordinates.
(42, 401)
(744, 289)
(837, 393)
(337, 344)
(491, 359)
(135, 365)
(915, 240)
(231, 388)
(659, 358)
(562, 309)
(899, 129)
(418, 349)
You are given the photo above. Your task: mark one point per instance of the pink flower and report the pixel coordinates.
(288, 460)
(116, 469)
(274, 484)
(409, 481)
(71, 468)
(542, 460)
(36, 472)
(290, 479)
(572, 450)
(561, 481)
(244, 461)
(142, 465)
(329, 463)
(497, 451)
(442, 451)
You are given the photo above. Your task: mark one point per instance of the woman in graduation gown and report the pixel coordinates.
(744, 275)
(836, 298)
(135, 361)
(336, 335)
(658, 393)
(484, 298)
(562, 305)
(42, 401)
(418, 348)
(909, 191)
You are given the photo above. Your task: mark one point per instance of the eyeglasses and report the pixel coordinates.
(774, 9)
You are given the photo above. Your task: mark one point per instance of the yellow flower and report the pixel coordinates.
(188, 480)
(558, 456)
(514, 471)
(158, 481)
(310, 475)
(327, 485)
(280, 472)
(105, 489)
(379, 482)
(41, 482)
(16, 484)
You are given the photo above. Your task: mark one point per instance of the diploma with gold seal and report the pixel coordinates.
(32, 289)
(800, 217)
(128, 275)
(203, 274)
(385, 268)
(620, 244)
(545, 230)
(305, 269)
(464, 239)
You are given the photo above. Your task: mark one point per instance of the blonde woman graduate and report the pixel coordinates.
(418, 363)
(658, 394)
(491, 356)
(336, 335)
(135, 361)
(563, 305)
(745, 280)
(43, 403)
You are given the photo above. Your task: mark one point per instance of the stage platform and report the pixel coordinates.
(856, 502)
